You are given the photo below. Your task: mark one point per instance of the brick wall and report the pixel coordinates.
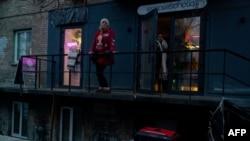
(18, 15)
(25, 14)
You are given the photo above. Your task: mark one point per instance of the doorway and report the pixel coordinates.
(72, 43)
(183, 38)
(147, 60)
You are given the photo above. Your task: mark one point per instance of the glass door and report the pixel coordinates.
(186, 58)
(72, 60)
(146, 59)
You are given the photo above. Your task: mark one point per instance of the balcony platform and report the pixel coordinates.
(123, 95)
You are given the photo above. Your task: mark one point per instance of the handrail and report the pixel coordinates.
(238, 55)
(54, 58)
(241, 57)
(150, 52)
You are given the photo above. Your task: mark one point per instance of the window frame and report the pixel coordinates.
(71, 118)
(171, 44)
(187, 79)
(21, 106)
(28, 50)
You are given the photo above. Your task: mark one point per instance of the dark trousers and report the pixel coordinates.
(100, 75)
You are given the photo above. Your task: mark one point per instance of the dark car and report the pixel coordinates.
(156, 134)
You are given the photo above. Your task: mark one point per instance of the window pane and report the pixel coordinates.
(17, 113)
(22, 44)
(187, 35)
(66, 124)
(25, 114)
(72, 44)
(20, 119)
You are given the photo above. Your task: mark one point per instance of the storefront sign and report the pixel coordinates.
(179, 5)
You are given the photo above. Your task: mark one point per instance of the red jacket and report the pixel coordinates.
(104, 42)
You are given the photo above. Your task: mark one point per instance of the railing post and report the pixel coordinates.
(69, 86)
(224, 73)
(190, 73)
(134, 73)
(89, 75)
(110, 76)
(22, 82)
(52, 73)
(35, 72)
(39, 76)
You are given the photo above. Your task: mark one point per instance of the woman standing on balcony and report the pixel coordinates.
(101, 51)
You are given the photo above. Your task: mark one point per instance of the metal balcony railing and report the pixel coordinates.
(202, 72)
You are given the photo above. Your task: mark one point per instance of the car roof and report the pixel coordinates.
(157, 133)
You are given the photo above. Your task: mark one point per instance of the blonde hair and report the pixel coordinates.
(104, 20)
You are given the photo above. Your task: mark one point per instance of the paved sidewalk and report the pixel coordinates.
(8, 138)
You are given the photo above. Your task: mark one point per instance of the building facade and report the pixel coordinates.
(207, 68)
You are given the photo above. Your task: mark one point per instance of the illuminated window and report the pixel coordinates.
(186, 60)
(72, 45)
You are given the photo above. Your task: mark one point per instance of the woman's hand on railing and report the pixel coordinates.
(165, 76)
(114, 52)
